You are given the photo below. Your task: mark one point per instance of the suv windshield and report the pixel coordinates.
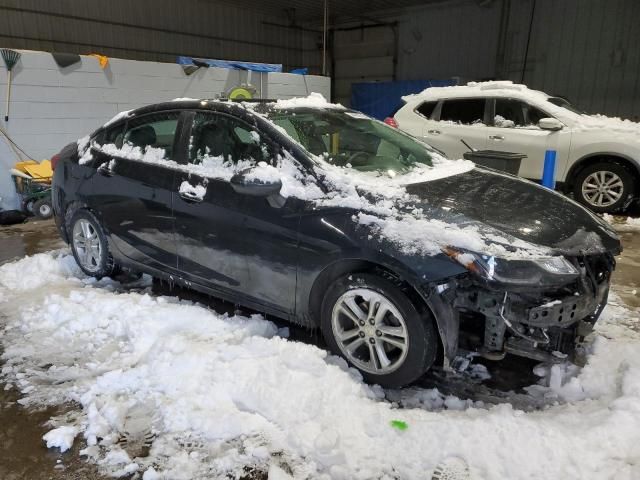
(347, 138)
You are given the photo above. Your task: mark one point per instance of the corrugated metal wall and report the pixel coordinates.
(157, 30)
(585, 50)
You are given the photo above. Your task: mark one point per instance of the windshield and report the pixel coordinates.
(564, 103)
(350, 139)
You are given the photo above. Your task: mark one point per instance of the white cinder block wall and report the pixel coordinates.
(52, 106)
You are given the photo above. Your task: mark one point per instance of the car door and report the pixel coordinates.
(239, 245)
(454, 120)
(514, 128)
(133, 186)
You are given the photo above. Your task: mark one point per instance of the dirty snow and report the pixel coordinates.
(215, 394)
(623, 224)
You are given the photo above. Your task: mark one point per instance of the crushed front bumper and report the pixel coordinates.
(544, 324)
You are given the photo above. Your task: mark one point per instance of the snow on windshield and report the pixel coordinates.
(217, 396)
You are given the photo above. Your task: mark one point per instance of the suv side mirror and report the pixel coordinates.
(550, 124)
(258, 181)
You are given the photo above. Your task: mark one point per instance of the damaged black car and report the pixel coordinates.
(324, 217)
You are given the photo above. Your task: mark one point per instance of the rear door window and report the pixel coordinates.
(464, 111)
(225, 140)
(426, 109)
(155, 131)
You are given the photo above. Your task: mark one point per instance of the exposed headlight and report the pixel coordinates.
(535, 271)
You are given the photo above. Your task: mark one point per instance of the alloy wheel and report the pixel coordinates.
(370, 331)
(87, 245)
(602, 188)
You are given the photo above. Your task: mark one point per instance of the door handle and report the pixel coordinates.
(496, 137)
(190, 197)
(105, 170)
(434, 132)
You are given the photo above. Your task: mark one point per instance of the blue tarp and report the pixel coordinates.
(381, 99)
(255, 67)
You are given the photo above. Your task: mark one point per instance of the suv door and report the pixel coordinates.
(133, 185)
(236, 244)
(458, 119)
(514, 128)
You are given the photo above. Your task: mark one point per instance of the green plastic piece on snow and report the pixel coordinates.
(399, 424)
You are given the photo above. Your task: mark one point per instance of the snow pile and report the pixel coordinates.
(314, 100)
(217, 395)
(61, 437)
(263, 173)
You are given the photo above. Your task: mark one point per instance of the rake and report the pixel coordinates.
(10, 58)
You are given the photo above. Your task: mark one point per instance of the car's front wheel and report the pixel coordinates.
(604, 187)
(373, 324)
(89, 245)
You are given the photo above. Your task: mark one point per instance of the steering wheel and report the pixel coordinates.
(353, 158)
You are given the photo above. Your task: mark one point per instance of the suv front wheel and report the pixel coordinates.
(604, 187)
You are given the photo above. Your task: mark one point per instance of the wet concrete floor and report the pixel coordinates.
(23, 454)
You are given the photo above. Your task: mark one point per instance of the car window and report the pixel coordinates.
(351, 139)
(465, 111)
(533, 115)
(509, 113)
(153, 131)
(426, 109)
(516, 113)
(228, 139)
(112, 135)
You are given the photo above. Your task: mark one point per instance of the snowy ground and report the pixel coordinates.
(170, 389)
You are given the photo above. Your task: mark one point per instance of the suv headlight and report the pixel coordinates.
(534, 271)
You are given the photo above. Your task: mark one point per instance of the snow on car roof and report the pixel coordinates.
(476, 89)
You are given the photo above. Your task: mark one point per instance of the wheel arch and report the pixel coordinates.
(69, 210)
(593, 158)
(444, 315)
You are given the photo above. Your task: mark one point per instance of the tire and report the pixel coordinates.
(604, 187)
(28, 206)
(420, 343)
(86, 233)
(43, 209)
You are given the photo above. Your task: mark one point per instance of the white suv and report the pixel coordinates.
(598, 158)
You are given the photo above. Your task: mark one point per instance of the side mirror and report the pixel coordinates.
(258, 181)
(550, 124)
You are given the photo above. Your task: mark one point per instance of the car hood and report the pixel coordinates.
(518, 208)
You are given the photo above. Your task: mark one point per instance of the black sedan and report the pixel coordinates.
(327, 218)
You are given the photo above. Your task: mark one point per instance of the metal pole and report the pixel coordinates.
(324, 39)
(526, 51)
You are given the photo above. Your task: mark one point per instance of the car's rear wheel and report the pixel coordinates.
(372, 323)
(604, 187)
(43, 209)
(89, 245)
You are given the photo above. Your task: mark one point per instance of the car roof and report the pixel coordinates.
(478, 89)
